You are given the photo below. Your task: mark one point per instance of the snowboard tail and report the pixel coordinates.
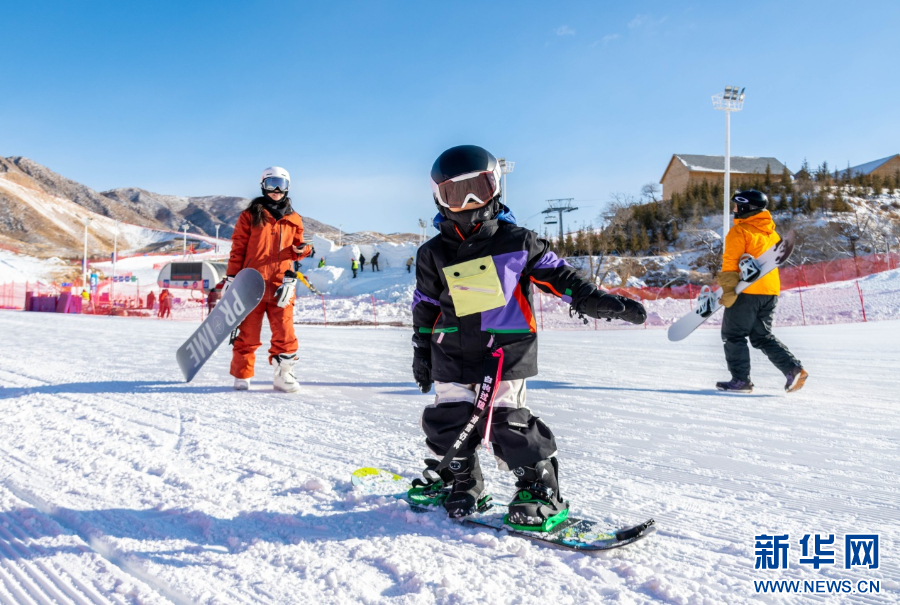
(245, 292)
(571, 533)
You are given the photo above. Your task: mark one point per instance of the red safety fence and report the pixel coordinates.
(842, 269)
(817, 293)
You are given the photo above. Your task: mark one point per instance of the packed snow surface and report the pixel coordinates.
(119, 483)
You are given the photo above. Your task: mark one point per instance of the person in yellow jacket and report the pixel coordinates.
(750, 313)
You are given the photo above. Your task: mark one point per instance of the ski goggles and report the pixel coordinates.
(273, 183)
(477, 187)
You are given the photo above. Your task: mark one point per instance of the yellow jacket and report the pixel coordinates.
(752, 235)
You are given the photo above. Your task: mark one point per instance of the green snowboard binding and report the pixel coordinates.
(463, 477)
(537, 505)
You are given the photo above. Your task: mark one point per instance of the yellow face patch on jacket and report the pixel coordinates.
(474, 286)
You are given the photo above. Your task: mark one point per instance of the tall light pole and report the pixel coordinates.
(423, 231)
(505, 168)
(730, 100)
(87, 221)
(217, 241)
(341, 234)
(184, 243)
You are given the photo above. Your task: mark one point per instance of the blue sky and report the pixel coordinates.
(357, 99)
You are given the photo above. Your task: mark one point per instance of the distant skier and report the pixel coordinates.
(354, 266)
(362, 263)
(268, 237)
(151, 300)
(374, 262)
(321, 262)
(409, 264)
(165, 304)
(473, 294)
(750, 312)
(213, 297)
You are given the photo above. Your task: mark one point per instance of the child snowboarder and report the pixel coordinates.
(473, 296)
(268, 237)
(750, 312)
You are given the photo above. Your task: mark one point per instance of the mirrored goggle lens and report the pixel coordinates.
(276, 182)
(477, 189)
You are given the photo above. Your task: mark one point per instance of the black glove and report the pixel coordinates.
(601, 305)
(422, 368)
(634, 312)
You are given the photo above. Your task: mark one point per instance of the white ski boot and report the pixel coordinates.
(241, 384)
(284, 373)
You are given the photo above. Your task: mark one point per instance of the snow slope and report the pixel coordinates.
(23, 268)
(121, 484)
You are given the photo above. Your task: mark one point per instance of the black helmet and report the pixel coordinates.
(480, 172)
(464, 174)
(749, 202)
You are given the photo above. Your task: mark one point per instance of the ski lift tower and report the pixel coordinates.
(559, 206)
(423, 231)
(730, 100)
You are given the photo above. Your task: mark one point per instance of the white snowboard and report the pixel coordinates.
(769, 260)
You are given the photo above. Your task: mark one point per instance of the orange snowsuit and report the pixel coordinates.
(752, 235)
(268, 248)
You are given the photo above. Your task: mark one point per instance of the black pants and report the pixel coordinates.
(519, 438)
(751, 315)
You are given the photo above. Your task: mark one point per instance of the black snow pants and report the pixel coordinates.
(518, 438)
(751, 315)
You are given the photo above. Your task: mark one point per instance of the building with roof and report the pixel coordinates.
(687, 169)
(885, 167)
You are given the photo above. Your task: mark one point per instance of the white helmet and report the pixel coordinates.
(275, 177)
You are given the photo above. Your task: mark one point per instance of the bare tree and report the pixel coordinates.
(853, 236)
(651, 191)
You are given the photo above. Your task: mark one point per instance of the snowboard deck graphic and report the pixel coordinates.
(768, 261)
(573, 533)
(239, 299)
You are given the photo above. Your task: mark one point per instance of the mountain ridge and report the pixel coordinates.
(27, 218)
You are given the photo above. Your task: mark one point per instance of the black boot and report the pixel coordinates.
(736, 385)
(537, 505)
(468, 493)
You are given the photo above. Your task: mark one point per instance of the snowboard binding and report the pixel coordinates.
(706, 302)
(436, 487)
(749, 268)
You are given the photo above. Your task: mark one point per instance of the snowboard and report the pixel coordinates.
(239, 299)
(708, 303)
(572, 534)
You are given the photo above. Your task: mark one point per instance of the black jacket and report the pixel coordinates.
(495, 265)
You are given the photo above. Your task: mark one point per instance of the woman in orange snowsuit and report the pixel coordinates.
(268, 237)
